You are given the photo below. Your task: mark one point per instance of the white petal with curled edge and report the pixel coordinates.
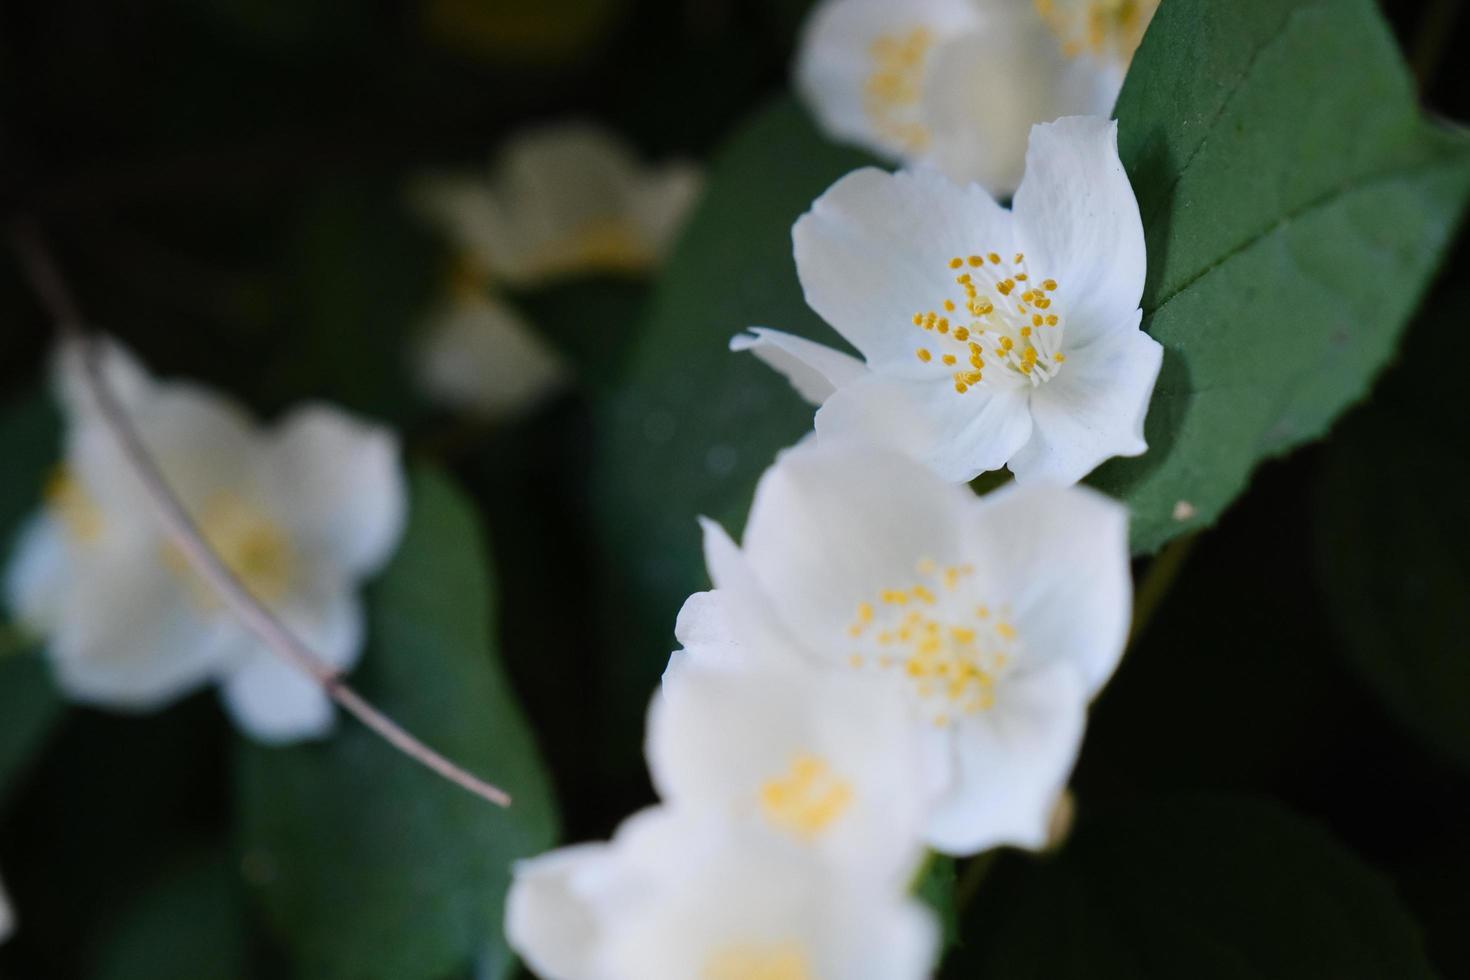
(814, 370)
(553, 927)
(1077, 221)
(1094, 409)
(875, 249)
(1059, 557)
(338, 485)
(1011, 763)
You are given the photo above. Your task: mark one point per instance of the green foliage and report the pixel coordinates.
(693, 426)
(1213, 888)
(1295, 205)
(1393, 546)
(147, 943)
(367, 865)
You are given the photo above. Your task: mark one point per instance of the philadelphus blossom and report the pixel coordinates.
(301, 514)
(673, 899)
(562, 202)
(830, 764)
(992, 620)
(957, 83)
(989, 337)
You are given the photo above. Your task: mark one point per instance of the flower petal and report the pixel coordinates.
(875, 249)
(836, 68)
(479, 355)
(1077, 221)
(834, 524)
(1059, 556)
(553, 927)
(338, 484)
(989, 87)
(38, 576)
(1012, 763)
(813, 369)
(957, 436)
(1094, 409)
(273, 701)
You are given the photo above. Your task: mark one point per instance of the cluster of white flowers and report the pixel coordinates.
(956, 84)
(563, 201)
(889, 664)
(301, 514)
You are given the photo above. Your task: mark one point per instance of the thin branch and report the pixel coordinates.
(185, 535)
(1157, 582)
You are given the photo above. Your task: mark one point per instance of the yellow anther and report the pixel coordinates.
(956, 262)
(949, 306)
(994, 258)
(943, 326)
(976, 260)
(855, 661)
(948, 359)
(961, 387)
(1021, 277)
(1060, 357)
(923, 594)
(807, 799)
(1026, 367)
(1006, 287)
(1005, 630)
(1006, 343)
(973, 378)
(982, 611)
(1051, 320)
(1037, 319)
(1049, 285)
(918, 319)
(961, 333)
(865, 612)
(923, 355)
(1025, 331)
(894, 597)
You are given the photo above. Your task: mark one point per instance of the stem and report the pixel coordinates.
(185, 536)
(1158, 581)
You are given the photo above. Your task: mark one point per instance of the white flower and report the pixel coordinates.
(958, 83)
(673, 899)
(991, 337)
(302, 514)
(480, 356)
(565, 200)
(7, 917)
(831, 763)
(994, 620)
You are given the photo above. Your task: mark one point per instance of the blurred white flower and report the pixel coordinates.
(478, 355)
(672, 898)
(958, 83)
(991, 337)
(7, 917)
(564, 201)
(301, 514)
(994, 620)
(832, 763)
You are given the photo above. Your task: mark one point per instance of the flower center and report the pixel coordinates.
(604, 245)
(251, 545)
(1003, 329)
(807, 799)
(1104, 28)
(70, 504)
(950, 648)
(782, 961)
(894, 87)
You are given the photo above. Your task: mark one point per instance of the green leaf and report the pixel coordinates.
(367, 865)
(693, 426)
(1212, 888)
(935, 887)
(29, 705)
(188, 924)
(1295, 205)
(1393, 547)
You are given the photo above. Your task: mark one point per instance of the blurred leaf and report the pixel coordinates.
(29, 705)
(1393, 546)
(1295, 205)
(367, 865)
(190, 923)
(1213, 888)
(693, 426)
(364, 275)
(592, 322)
(936, 888)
